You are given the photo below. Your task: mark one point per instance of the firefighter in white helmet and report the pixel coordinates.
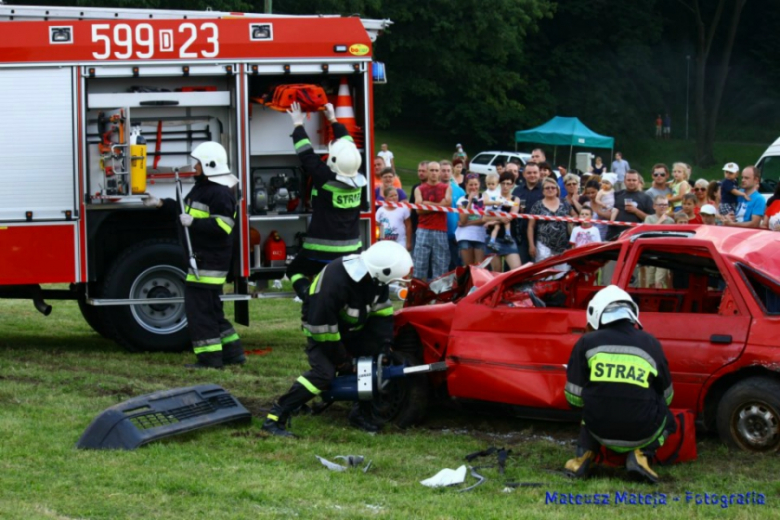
(619, 376)
(210, 212)
(347, 314)
(338, 195)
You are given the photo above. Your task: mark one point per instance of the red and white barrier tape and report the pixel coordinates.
(491, 213)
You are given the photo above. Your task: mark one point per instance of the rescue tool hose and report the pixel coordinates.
(193, 262)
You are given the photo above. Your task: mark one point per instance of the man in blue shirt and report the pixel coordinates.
(749, 211)
(452, 218)
(620, 166)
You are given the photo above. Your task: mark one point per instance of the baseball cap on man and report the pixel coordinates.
(731, 167)
(708, 209)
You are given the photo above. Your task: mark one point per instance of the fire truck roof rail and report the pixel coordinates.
(42, 12)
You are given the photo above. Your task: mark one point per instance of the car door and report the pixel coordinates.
(504, 349)
(700, 321)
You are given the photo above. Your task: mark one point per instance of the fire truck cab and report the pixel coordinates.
(101, 108)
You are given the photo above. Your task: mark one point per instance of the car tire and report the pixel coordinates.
(149, 269)
(405, 402)
(94, 316)
(749, 415)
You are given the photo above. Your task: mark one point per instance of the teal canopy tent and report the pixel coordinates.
(564, 131)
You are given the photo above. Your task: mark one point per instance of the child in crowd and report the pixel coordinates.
(387, 177)
(690, 209)
(729, 190)
(394, 223)
(679, 185)
(661, 206)
(605, 198)
(680, 218)
(585, 233)
(493, 201)
(709, 215)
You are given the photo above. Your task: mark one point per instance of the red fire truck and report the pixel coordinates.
(101, 107)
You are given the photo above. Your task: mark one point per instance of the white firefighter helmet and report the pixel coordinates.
(345, 161)
(213, 160)
(612, 304)
(387, 261)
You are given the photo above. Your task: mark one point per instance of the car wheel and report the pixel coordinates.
(749, 415)
(404, 401)
(148, 270)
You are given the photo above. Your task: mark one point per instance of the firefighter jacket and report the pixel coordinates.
(213, 208)
(340, 309)
(620, 377)
(334, 230)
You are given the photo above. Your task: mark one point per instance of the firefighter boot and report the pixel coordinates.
(276, 422)
(637, 463)
(233, 354)
(208, 360)
(361, 417)
(579, 467)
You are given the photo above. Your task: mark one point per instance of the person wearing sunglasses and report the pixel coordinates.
(659, 187)
(700, 191)
(549, 238)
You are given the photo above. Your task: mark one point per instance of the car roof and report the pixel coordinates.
(757, 248)
(519, 154)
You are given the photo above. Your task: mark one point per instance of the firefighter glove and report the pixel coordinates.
(330, 112)
(296, 114)
(152, 202)
(186, 219)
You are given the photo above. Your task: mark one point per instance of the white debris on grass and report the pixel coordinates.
(446, 477)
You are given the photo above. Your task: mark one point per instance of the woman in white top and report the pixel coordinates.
(470, 233)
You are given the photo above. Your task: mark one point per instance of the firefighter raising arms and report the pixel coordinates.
(210, 210)
(620, 378)
(338, 193)
(346, 314)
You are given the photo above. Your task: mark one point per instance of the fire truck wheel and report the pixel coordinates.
(94, 316)
(405, 401)
(749, 415)
(148, 270)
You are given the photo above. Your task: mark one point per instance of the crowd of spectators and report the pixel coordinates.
(441, 241)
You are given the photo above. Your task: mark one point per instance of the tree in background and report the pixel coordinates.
(707, 104)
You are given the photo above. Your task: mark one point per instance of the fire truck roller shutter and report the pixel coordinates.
(150, 269)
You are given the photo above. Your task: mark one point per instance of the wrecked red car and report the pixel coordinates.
(507, 337)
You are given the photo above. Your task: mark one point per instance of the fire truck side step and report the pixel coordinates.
(152, 417)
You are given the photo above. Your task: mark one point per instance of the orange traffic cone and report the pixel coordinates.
(345, 113)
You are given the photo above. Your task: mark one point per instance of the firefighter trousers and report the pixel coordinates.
(588, 442)
(214, 340)
(323, 361)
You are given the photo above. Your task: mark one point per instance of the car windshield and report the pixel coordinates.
(770, 173)
(483, 158)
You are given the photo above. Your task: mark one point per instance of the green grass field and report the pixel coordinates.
(56, 375)
(412, 147)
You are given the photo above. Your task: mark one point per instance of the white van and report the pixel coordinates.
(769, 164)
(485, 162)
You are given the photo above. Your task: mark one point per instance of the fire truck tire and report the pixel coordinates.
(749, 415)
(406, 400)
(94, 316)
(150, 269)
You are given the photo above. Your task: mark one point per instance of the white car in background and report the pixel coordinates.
(485, 162)
(769, 164)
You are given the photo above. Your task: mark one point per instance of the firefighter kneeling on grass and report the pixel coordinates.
(346, 314)
(337, 196)
(620, 378)
(210, 209)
